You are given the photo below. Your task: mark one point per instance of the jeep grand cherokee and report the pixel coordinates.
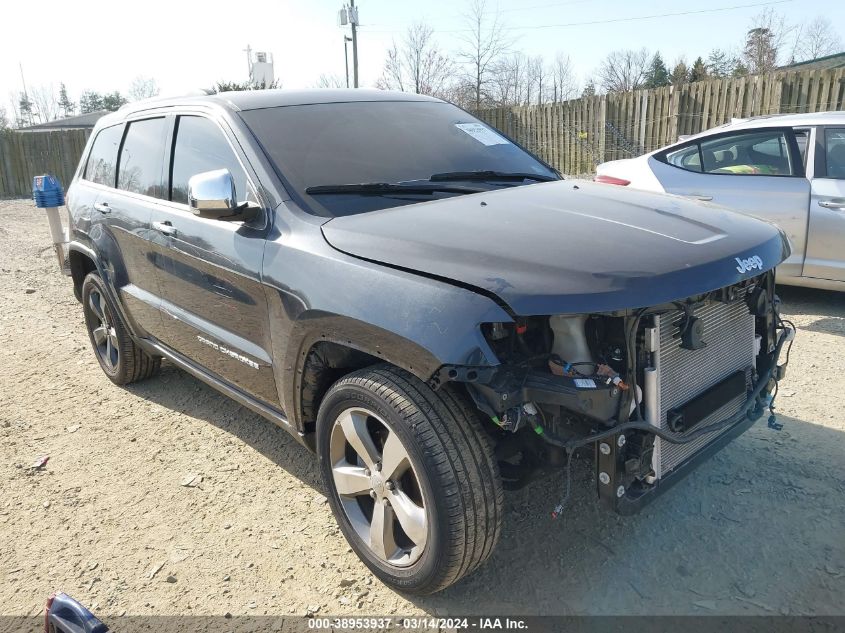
(423, 303)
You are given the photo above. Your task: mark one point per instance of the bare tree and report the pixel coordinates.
(392, 76)
(16, 121)
(484, 45)
(509, 80)
(624, 70)
(419, 66)
(143, 88)
(537, 80)
(46, 107)
(765, 41)
(331, 81)
(817, 39)
(4, 119)
(564, 83)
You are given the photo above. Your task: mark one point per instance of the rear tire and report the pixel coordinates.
(119, 357)
(430, 471)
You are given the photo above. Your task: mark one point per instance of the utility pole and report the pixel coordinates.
(346, 39)
(353, 20)
(26, 95)
(248, 51)
(349, 15)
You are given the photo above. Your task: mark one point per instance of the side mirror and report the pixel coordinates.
(211, 194)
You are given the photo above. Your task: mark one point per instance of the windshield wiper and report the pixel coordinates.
(489, 175)
(377, 188)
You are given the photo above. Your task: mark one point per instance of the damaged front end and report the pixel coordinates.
(653, 391)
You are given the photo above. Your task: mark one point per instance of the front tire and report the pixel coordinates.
(119, 357)
(411, 478)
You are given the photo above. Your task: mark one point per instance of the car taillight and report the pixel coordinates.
(611, 180)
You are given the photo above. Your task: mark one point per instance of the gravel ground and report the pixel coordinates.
(168, 498)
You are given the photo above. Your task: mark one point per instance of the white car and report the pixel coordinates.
(787, 169)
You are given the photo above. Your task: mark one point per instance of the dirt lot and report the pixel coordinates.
(760, 529)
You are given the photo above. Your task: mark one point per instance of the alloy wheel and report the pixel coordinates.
(104, 334)
(378, 487)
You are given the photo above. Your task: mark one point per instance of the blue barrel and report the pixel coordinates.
(47, 192)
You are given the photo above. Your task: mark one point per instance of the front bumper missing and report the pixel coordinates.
(611, 453)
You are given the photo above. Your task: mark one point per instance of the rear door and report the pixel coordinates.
(756, 171)
(117, 221)
(826, 237)
(213, 303)
(139, 188)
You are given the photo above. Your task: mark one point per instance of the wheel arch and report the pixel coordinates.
(324, 348)
(82, 262)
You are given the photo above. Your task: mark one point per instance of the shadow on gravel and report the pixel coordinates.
(812, 302)
(756, 530)
(181, 392)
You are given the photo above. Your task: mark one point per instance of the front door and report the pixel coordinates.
(826, 235)
(214, 309)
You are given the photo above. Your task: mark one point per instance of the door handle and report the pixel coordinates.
(102, 207)
(832, 204)
(698, 196)
(165, 228)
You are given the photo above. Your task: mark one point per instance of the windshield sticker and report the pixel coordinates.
(482, 134)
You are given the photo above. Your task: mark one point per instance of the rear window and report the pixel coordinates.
(142, 158)
(835, 153)
(102, 161)
(748, 153)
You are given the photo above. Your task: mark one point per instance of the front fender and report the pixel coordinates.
(406, 319)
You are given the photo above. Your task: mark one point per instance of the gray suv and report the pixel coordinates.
(423, 303)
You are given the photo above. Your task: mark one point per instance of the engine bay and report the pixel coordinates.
(643, 390)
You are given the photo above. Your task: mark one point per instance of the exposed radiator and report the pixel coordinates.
(682, 374)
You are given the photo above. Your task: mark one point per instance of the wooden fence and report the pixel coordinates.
(575, 136)
(27, 154)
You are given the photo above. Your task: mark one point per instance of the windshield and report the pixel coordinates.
(322, 145)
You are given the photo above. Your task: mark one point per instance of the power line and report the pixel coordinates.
(613, 20)
(647, 17)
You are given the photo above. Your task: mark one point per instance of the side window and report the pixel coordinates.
(834, 143)
(102, 161)
(687, 158)
(764, 153)
(142, 158)
(200, 146)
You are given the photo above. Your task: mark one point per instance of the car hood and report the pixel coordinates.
(566, 246)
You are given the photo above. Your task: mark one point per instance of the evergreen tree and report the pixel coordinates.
(761, 50)
(90, 101)
(113, 101)
(720, 64)
(657, 74)
(680, 74)
(65, 103)
(698, 71)
(740, 69)
(589, 89)
(25, 110)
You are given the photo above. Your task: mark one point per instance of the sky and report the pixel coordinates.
(185, 45)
